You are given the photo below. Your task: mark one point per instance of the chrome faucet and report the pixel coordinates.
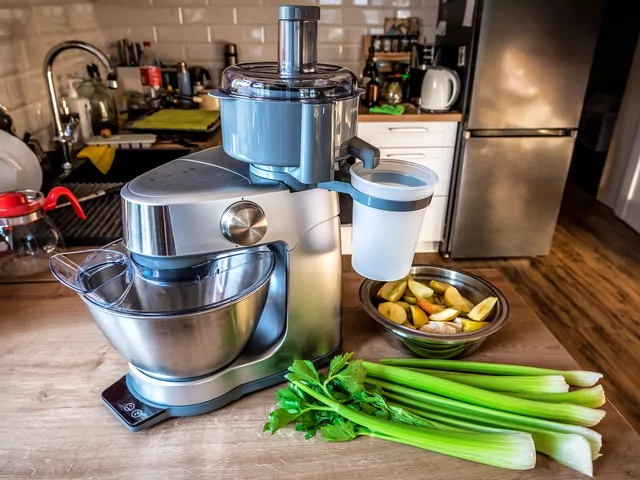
(62, 138)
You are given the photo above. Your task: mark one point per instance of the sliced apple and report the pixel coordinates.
(445, 316)
(482, 310)
(404, 305)
(393, 291)
(436, 300)
(439, 287)
(393, 312)
(419, 289)
(418, 317)
(409, 325)
(429, 307)
(453, 299)
(470, 325)
(410, 299)
(438, 327)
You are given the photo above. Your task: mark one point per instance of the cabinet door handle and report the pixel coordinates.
(409, 129)
(405, 155)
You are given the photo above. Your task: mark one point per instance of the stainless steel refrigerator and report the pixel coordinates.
(525, 66)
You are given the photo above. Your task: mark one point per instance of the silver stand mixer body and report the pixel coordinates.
(180, 214)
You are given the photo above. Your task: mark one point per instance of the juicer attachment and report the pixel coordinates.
(303, 114)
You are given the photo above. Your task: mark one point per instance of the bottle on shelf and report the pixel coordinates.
(370, 69)
(150, 74)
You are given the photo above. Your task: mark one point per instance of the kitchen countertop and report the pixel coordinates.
(411, 114)
(55, 363)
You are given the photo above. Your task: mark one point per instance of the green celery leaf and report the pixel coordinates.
(352, 377)
(338, 363)
(304, 370)
(288, 400)
(339, 432)
(278, 419)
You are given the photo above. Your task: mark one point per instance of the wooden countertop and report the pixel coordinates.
(54, 363)
(411, 114)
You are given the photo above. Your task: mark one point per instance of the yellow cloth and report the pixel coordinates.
(178, 120)
(100, 155)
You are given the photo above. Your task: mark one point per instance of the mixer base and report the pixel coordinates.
(137, 413)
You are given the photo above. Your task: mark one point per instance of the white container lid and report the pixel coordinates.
(394, 180)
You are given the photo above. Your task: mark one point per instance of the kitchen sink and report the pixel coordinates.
(104, 224)
(127, 165)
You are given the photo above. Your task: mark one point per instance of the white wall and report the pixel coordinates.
(620, 184)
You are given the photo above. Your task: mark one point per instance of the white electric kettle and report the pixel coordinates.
(440, 89)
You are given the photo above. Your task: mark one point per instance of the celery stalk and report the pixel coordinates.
(576, 378)
(568, 413)
(587, 397)
(535, 384)
(513, 451)
(571, 450)
(464, 411)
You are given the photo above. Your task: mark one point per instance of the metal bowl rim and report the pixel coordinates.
(257, 286)
(411, 334)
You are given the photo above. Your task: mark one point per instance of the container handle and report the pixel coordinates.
(364, 151)
(51, 200)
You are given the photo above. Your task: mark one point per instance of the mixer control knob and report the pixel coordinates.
(244, 223)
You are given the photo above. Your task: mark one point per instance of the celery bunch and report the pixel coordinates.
(444, 410)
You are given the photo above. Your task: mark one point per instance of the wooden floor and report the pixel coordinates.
(587, 292)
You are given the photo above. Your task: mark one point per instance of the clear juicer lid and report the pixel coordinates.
(296, 75)
(110, 279)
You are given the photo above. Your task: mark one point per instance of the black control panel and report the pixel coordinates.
(134, 413)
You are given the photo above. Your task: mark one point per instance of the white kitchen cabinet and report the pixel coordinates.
(430, 144)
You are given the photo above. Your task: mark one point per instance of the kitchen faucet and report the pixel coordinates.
(62, 136)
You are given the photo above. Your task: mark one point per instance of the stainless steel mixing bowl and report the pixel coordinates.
(212, 320)
(431, 345)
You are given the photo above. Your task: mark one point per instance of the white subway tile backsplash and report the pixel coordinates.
(118, 16)
(255, 53)
(218, 15)
(169, 52)
(329, 53)
(344, 3)
(182, 34)
(16, 22)
(257, 16)
(50, 19)
(81, 16)
(341, 35)
(12, 58)
(206, 52)
(239, 34)
(277, 3)
(331, 16)
(367, 16)
(178, 2)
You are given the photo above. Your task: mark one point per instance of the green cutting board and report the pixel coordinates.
(178, 120)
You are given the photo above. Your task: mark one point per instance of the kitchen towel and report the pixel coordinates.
(100, 155)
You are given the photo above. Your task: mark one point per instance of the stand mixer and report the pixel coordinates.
(230, 263)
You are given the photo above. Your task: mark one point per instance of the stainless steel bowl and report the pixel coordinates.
(431, 345)
(211, 323)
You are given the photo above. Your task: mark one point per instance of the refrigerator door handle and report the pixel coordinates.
(519, 133)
